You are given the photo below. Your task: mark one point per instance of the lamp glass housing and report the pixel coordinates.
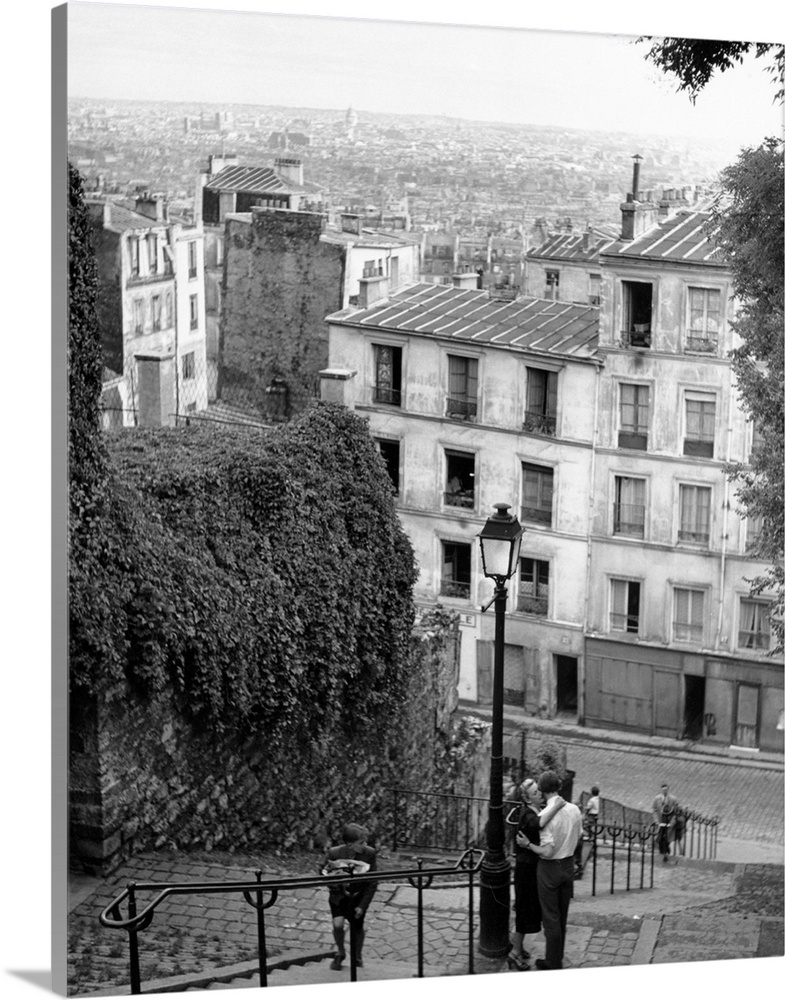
(500, 544)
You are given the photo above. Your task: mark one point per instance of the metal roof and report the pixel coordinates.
(571, 246)
(371, 238)
(254, 179)
(470, 316)
(123, 219)
(682, 238)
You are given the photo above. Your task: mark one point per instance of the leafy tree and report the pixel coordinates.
(749, 226)
(694, 61)
(86, 459)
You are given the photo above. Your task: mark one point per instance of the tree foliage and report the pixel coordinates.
(749, 225)
(86, 458)
(265, 577)
(694, 61)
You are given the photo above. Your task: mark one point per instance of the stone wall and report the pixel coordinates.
(142, 777)
(280, 282)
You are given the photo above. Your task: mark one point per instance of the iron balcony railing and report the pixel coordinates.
(461, 409)
(262, 894)
(629, 519)
(539, 423)
(461, 498)
(383, 394)
(702, 345)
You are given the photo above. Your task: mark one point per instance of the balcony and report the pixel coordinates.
(539, 423)
(383, 394)
(628, 519)
(694, 537)
(533, 605)
(456, 588)
(633, 440)
(701, 345)
(638, 336)
(461, 409)
(459, 498)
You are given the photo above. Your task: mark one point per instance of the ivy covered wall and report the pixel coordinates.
(245, 665)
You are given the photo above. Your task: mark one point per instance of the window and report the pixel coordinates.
(387, 362)
(636, 312)
(552, 285)
(390, 452)
(694, 506)
(625, 605)
(194, 307)
(537, 493)
(459, 491)
(456, 569)
(595, 282)
(192, 258)
(462, 389)
(169, 313)
(152, 253)
(133, 249)
(629, 508)
(754, 632)
(188, 365)
(541, 399)
(634, 416)
(533, 590)
(699, 414)
(688, 615)
(156, 309)
(704, 320)
(754, 530)
(138, 315)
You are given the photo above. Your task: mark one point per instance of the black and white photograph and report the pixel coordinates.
(416, 452)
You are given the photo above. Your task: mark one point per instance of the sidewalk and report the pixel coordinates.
(696, 911)
(515, 717)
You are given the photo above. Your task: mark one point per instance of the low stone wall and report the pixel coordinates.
(141, 775)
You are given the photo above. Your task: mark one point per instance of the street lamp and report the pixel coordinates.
(500, 546)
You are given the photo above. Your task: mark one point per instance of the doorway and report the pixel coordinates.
(694, 705)
(567, 684)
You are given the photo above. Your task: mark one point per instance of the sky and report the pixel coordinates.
(542, 77)
(32, 425)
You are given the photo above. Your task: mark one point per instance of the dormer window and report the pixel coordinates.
(636, 313)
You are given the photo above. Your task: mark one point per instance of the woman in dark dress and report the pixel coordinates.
(528, 919)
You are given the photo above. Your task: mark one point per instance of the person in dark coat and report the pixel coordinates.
(528, 919)
(350, 901)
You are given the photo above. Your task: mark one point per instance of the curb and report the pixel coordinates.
(647, 941)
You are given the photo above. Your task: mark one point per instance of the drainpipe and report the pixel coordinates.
(176, 318)
(581, 693)
(723, 555)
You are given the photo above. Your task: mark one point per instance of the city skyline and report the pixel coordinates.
(536, 77)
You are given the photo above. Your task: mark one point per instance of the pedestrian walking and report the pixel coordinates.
(665, 809)
(528, 918)
(555, 868)
(350, 901)
(591, 814)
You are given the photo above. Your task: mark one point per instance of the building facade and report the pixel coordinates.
(607, 428)
(151, 309)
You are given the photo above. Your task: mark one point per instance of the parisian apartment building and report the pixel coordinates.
(601, 407)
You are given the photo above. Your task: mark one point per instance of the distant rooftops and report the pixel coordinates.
(471, 317)
(571, 246)
(252, 179)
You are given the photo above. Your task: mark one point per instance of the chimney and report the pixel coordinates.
(587, 243)
(152, 208)
(372, 291)
(466, 280)
(290, 169)
(337, 385)
(636, 174)
(636, 216)
(351, 224)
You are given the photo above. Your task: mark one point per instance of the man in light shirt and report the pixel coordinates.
(556, 868)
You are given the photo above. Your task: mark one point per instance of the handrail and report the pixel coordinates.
(468, 864)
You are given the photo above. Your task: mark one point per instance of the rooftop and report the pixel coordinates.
(681, 237)
(471, 317)
(571, 246)
(255, 179)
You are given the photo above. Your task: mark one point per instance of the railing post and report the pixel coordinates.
(471, 912)
(260, 934)
(595, 831)
(133, 942)
(395, 821)
(629, 854)
(420, 934)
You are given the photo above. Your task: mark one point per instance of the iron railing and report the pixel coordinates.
(263, 894)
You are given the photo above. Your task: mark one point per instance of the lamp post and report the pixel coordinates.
(500, 545)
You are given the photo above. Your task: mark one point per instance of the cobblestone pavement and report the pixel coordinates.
(710, 909)
(747, 796)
